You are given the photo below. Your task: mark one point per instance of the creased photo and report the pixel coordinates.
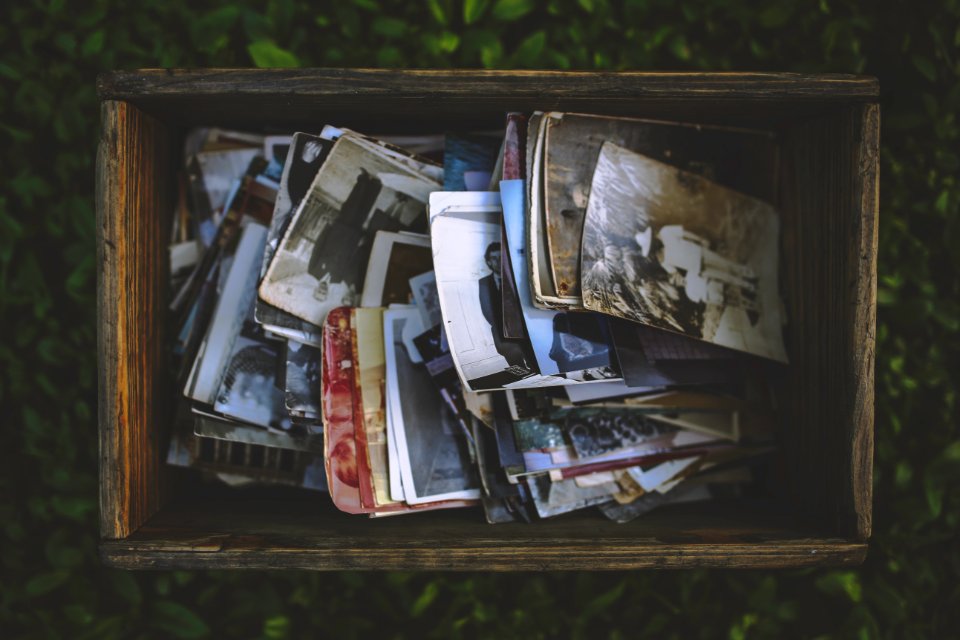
(672, 250)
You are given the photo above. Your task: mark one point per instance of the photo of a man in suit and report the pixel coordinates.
(491, 304)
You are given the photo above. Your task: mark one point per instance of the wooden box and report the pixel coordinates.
(156, 516)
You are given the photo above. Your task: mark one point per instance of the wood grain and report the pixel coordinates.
(830, 180)
(828, 126)
(259, 535)
(432, 83)
(133, 203)
(382, 100)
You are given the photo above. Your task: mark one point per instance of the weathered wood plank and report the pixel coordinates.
(828, 193)
(133, 196)
(830, 177)
(283, 534)
(285, 84)
(862, 321)
(552, 556)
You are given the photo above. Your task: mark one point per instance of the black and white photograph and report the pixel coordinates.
(741, 159)
(394, 260)
(249, 390)
(631, 344)
(302, 379)
(425, 296)
(435, 461)
(555, 498)
(467, 252)
(229, 316)
(562, 342)
(321, 261)
(596, 432)
(300, 438)
(675, 251)
(305, 155)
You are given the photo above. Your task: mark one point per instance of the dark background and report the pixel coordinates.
(52, 582)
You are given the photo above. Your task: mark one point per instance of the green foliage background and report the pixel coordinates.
(52, 583)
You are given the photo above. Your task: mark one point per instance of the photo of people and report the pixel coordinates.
(321, 261)
(672, 250)
(467, 254)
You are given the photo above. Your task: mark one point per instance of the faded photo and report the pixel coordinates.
(321, 261)
(467, 254)
(302, 380)
(425, 296)
(249, 389)
(595, 432)
(433, 449)
(395, 259)
(737, 158)
(306, 154)
(672, 250)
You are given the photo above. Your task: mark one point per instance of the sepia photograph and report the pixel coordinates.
(669, 249)
(435, 462)
(321, 261)
(740, 159)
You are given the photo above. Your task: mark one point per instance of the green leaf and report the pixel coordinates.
(438, 11)
(510, 10)
(177, 620)
(425, 599)
(473, 10)
(679, 47)
(925, 67)
(266, 55)
(46, 582)
(528, 53)
(93, 43)
(276, 627)
(845, 583)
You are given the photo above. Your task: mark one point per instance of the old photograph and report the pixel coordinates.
(425, 297)
(594, 432)
(249, 390)
(371, 428)
(302, 379)
(435, 462)
(305, 155)
(672, 250)
(394, 260)
(299, 438)
(229, 314)
(562, 342)
(741, 159)
(640, 371)
(467, 251)
(320, 262)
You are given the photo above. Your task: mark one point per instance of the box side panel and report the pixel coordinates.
(275, 534)
(133, 204)
(829, 203)
(380, 100)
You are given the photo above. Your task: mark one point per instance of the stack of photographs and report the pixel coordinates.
(576, 312)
